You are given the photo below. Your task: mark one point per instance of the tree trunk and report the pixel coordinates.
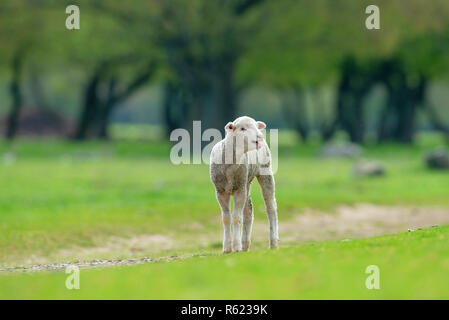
(353, 87)
(398, 120)
(357, 124)
(385, 127)
(16, 95)
(227, 96)
(173, 107)
(90, 106)
(106, 110)
(37, 90)
(95, 116)
(293, 106)
(103, 124)
(350, 106)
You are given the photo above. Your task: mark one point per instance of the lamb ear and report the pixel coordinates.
(229, 127)
(261, 125)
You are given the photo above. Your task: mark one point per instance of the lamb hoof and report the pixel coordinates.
(245, 246)
(237, 248)
(274, 244)
(227, 249)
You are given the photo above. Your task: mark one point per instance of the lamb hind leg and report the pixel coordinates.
(224, 201)
(247, 224)
(267, 184)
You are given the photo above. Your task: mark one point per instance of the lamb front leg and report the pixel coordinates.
(224, 201)
(237, 215)
(267, 184)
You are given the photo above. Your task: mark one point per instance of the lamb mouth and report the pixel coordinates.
(258, 145)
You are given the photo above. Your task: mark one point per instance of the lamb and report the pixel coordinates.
(235, 161)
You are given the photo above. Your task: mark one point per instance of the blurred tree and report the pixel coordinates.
(308, 44)
(16, 93)
(203, 42)
(294, 108)
(404, 60)
(16, 44)
(113, 48)
(116, 61)
(207, 52)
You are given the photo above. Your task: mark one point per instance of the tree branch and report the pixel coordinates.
(135, 84)
(244, 6)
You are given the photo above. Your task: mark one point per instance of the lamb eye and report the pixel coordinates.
(243, 129)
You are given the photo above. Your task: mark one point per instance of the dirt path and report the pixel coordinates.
(91, 264)
(359, 221)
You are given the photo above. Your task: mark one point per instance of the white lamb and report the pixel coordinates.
(242, 155)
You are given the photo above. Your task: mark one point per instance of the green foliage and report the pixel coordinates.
(304, 41)
(288, 41)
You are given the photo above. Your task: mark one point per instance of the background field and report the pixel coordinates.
(126, 200)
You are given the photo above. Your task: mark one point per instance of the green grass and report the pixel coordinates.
(61, 195)
(412, 266)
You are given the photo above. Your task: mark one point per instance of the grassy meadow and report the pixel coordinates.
(60, 201)
(412, 266)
